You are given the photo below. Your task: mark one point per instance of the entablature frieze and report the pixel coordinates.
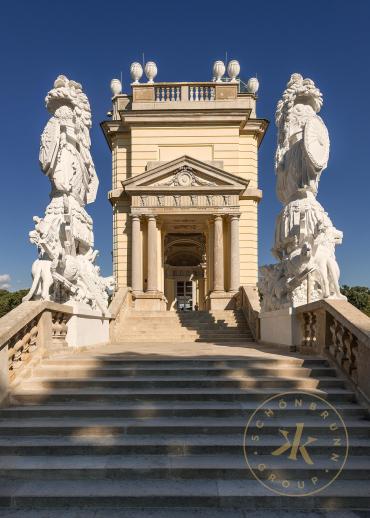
(184, 211)
(185, 200)
(192, 199)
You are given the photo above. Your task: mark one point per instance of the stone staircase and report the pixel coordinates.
(184, 326)
(158, 432)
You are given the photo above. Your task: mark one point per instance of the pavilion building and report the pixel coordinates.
(185, 193)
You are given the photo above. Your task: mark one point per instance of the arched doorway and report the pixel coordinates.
(185, 265)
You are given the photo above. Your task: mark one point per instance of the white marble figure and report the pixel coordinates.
(305, 237)
(65, 270)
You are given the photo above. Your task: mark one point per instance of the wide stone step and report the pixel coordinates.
(159, 339)
(62, 371)
(189, 381)
(158, 409)
(174, 425)
(88, 394)
(183, 382)
(186, 362)
(163, 444)
(243, 493)
(135, 467)
(153, 512)
(156, 337)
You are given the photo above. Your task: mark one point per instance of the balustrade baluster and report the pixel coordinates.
(187, 92)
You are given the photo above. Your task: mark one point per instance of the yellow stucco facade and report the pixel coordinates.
(184, 192)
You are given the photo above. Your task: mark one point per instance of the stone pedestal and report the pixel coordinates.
(87, 326)
(280, 327)
(150, 301)
(221, 300)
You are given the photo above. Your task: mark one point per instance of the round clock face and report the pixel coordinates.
(316, 142)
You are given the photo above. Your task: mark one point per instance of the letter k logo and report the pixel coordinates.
(295, 446)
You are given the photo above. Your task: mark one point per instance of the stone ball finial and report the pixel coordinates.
(218, 70)
(233, 70)
(116, 87)
(151, 71)
(136, 71)
(253, 85)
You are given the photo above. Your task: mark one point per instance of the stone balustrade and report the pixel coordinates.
(336, 329)
(203, 92)
(250, 305)
(191, 92)
(26, 335)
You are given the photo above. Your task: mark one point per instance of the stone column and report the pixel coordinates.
(234, 253)
(136, 267)
(218, 255)
(152, 254)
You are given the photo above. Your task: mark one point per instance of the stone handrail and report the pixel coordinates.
(26, 334)
(122, 302)
(338, 330)
(250, 305)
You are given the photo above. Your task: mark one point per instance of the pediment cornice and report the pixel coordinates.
(185, 174)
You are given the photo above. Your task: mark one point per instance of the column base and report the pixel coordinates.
(149, 301)
(222, 300)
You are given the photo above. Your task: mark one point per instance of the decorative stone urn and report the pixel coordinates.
(218, 70)
(233, 69)
(151, 71)
(136, 71)
(116, 87)
(253, 85)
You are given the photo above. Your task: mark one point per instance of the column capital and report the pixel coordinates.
(136, 216)
(217, 217)
(234, 216)
(151, 216)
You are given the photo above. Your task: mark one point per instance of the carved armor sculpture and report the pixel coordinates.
(65, 269)
(305, 237)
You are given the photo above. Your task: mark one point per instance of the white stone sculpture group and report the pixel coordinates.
(305, 237)
(65, 269)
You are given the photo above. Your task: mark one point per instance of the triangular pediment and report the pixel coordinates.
(185, 174)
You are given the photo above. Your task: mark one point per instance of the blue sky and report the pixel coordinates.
(94, 41)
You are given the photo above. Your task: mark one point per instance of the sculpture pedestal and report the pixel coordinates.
(87, 326)
(280, 327)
